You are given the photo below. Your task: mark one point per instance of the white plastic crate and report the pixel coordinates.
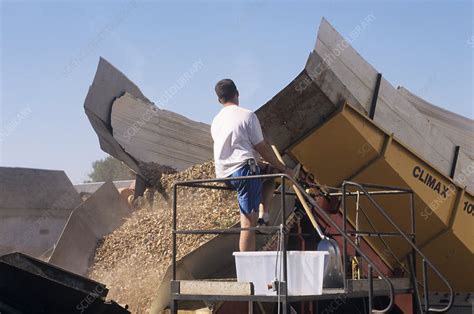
(305, 271)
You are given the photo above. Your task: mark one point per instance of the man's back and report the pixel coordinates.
(235, 132)
(237, 138)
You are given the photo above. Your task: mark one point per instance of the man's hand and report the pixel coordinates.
(269, 156)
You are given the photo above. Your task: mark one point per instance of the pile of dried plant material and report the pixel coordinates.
(153, 172)
(132, 260)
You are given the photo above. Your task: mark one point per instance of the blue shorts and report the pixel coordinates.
(249, 192)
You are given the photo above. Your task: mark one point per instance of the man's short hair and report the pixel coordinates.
(226, 90)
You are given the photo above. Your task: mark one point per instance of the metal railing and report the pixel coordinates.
(410, 239)
(205, 183)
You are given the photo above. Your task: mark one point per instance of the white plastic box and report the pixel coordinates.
(305, 271)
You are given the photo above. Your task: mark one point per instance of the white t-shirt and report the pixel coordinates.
(235, 132)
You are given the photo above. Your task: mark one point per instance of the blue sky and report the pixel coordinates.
(50, 49)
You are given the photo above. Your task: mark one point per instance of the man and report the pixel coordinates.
(238, 142)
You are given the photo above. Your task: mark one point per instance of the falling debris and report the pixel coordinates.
(153, 173)
(132, 259)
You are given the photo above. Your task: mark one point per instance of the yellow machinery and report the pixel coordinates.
(350, 146)
(311, 121)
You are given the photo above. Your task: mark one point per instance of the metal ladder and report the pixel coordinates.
(409, 238)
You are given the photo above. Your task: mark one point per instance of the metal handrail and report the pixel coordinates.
(326, 216)
(425, 260)
(356, 248)
(201, 184)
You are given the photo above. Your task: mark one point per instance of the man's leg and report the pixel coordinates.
(247, 238)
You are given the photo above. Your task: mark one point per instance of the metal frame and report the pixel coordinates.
(410, 238)
(205, 183)
(283, 293)
(329, 295)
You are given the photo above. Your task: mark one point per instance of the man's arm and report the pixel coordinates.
(269, 156)
(261, 146)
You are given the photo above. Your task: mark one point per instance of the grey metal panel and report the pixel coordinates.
(107, 142)
(109, 84)
(99, 215)
(151, 134)
(457, 128)
(132, 129)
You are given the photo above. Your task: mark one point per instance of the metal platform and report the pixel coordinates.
(211, 290)
(377, 283)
